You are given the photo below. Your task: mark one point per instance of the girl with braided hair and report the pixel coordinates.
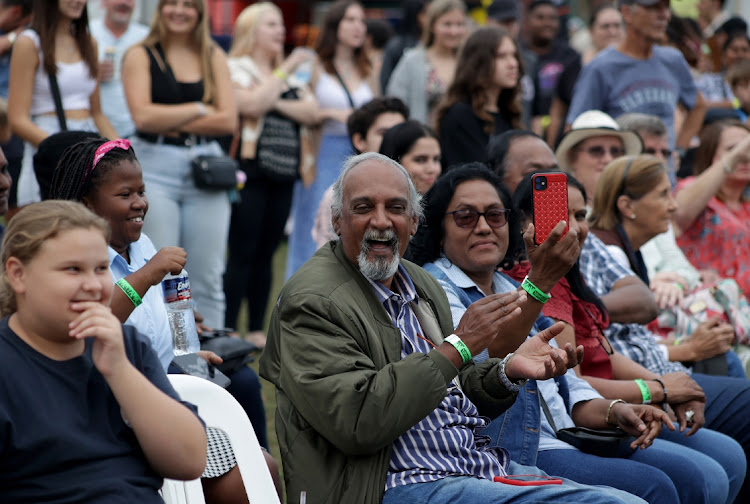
(106, 177)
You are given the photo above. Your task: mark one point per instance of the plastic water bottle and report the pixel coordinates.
(179, 303)
(303, 73)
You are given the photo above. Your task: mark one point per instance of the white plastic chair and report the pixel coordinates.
(219, 409)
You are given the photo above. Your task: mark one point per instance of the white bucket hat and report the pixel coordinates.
(594, 123)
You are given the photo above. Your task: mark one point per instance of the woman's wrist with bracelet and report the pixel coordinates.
(202, 110)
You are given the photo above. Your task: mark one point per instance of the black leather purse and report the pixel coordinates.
(600, 442)
(214, 172)
(235, 352)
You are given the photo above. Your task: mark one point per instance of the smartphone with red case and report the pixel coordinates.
(550, 203)
(527, 480)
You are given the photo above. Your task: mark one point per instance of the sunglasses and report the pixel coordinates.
(666, 153)
(598, 151)
(466, 218)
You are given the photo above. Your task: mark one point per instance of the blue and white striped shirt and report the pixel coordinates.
(445, 442)
(601, 271)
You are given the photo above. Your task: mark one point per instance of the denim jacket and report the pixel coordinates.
(519, 429)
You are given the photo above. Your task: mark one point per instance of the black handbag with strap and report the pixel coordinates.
(600, 442)
(55, 90)
(210, 172)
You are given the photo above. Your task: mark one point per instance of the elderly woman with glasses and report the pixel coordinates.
(593, 141)
(469, 231)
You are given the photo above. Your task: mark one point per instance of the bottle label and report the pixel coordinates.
(176, 289)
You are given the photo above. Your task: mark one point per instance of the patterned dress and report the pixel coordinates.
(719, 239)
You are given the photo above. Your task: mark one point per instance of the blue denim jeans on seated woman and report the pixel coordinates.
(691, 470)
(469, 490)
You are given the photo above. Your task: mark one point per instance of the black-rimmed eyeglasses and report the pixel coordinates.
(467, 218)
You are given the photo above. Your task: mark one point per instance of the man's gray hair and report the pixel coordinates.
(643, 124)
(337, 204)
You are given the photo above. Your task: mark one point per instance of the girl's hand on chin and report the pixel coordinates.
(97, 321)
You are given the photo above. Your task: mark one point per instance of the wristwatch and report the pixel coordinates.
(510, 385)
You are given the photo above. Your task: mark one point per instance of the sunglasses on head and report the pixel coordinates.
(598, 151)
(467, 218)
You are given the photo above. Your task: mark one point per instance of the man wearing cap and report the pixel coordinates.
(639, 75)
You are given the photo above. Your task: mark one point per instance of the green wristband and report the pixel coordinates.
(459, 345)
(645, 392)
(534, 291)
(129, 291)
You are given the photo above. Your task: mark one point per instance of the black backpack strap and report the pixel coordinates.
(58, 102)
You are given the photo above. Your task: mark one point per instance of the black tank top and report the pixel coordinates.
(165, 88)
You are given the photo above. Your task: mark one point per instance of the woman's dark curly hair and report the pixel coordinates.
(426, 246)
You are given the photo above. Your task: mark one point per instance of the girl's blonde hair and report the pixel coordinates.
(246, 27)
(201, 40)
(631, 176)
(31, 227)
(436, 9)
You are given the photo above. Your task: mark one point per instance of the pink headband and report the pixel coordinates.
(120, 143)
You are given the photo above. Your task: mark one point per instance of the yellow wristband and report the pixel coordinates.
(280, 74)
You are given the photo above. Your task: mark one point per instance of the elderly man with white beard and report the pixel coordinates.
(378, 398)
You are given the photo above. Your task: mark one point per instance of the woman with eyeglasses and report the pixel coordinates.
(469, 231)
(613, 374)
(593, 141)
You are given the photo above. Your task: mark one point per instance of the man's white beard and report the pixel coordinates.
(379, 268)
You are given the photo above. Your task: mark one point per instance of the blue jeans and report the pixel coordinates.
(641, 479)
(725, 472)
(305, 202)
(689, 470)
(727, 406)
(181, 215)
(465, 489)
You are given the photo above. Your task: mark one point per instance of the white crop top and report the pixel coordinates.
(73, 79)
(330, 94)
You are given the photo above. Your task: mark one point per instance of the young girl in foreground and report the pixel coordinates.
(106, 176)
(85, 406)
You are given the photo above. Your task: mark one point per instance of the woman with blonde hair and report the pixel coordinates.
(180, 97)
(275, 112)
(57, 43)
(425, 72)
(342, 82)
(632, 204)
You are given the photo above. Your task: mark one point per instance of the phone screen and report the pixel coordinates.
(550, 202)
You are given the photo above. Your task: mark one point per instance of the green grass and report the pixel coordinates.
(268, 390)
